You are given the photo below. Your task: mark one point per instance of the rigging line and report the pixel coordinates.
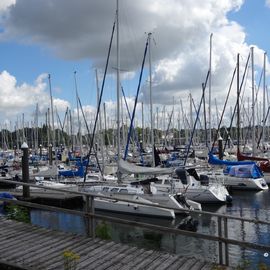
(195, 108)
(134, 131)
(99, 102)
(246, 113)
(224, 107)
(65, 117)
(197, 116)
(264, 121)
(88, 131)
(234, 111)
(136, 100)
(167, 130)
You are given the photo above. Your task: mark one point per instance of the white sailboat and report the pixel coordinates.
(197, 187)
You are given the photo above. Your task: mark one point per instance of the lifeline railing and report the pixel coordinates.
(89, 214)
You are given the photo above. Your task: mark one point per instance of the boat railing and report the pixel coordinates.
(88, 212)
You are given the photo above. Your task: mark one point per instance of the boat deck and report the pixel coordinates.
(24, 246)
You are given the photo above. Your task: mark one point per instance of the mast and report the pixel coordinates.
(78, 116)
(99, 127)
(118, 87)
(50, 87)
(264, 99)
(253, 100)
(210, 86)
(238, 106)
(151, 101)
(142, 128)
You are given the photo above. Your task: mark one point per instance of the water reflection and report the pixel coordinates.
(245, 204)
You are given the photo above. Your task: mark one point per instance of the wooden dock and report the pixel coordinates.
(24, 246)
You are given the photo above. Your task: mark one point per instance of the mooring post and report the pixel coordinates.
(40, 151)
(220, 148)
(50, 155)
(87, 218)
(25, 170)
(90, 208)
(226, 244)
(92, 205)
(220, 250)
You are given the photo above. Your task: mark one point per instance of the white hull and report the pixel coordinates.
(176, 202)
(245, 183)
(267, 177)
(50, 184)
(239, 182)
(115, 205)
(202, 194)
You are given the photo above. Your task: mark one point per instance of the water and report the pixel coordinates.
(245, 204)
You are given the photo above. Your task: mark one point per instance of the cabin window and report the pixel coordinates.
(93, 177)
(123, 190)
(114, 190)
(105, 189)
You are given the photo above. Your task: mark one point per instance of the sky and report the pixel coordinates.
(61, 37)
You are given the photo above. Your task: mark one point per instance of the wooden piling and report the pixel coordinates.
(220, 148)
(25, 170)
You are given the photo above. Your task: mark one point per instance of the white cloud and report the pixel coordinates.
(18, 99)
(267, 3)
(180, 49)
(5, 4)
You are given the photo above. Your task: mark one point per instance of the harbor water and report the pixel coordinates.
(249, 204)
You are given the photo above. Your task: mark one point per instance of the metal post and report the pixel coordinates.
(220, 252)
(226, 244)
(25, 170)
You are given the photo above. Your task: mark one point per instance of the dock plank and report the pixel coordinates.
(32, 247)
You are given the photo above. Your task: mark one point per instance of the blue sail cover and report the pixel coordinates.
(244, 171)
(72, 173)
(215, 161)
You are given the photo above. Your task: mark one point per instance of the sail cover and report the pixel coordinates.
(215, 161)
(130, 168)
(244, 171)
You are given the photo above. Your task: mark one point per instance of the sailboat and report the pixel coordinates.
(197, 187)
(141, 191)
(238, 174)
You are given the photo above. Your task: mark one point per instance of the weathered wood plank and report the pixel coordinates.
(170, 261)
(158, 260)
(188, 264)
(42, 249)
(113, 258)
(177, 264)
(119, 259)
(84, 254)
(96, 254)
(147, 262)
